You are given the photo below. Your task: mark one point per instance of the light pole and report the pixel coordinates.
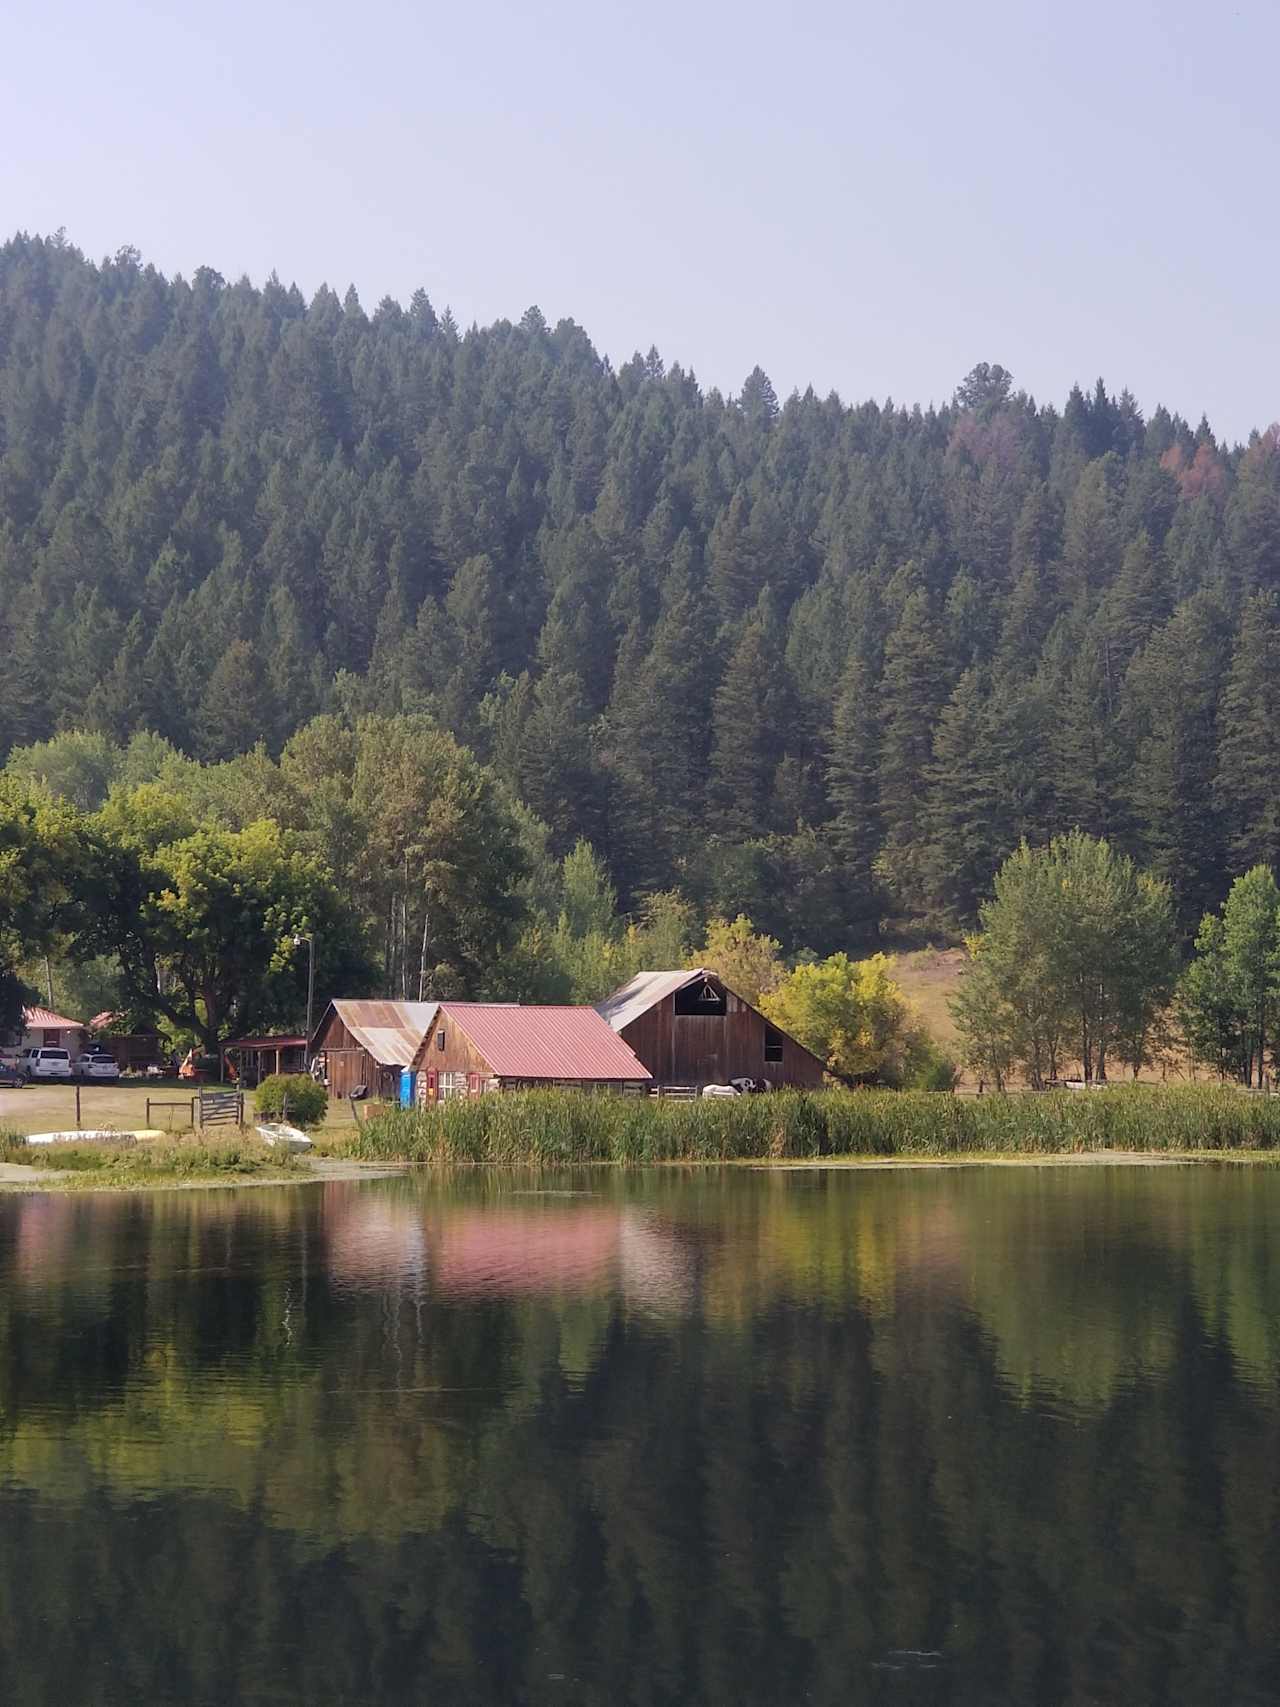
(310, 940)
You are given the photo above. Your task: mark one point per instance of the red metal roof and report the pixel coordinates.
(45, 1019)
(544, 1043)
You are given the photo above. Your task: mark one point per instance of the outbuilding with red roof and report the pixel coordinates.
(472, 1047)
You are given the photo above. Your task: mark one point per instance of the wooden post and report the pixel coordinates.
(77, 1108)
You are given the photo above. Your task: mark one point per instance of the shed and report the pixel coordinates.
(256, 1058)
(690, 1029)
(368, 1044)
(134, 1051)
(485, 1046)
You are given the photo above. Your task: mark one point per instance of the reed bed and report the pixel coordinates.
(550, 1128)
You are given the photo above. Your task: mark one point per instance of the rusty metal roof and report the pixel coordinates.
(543, 1043)
(390, 1031)
(645, 991)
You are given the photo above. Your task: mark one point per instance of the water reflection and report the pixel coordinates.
(718, 1438)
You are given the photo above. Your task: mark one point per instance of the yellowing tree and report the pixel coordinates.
(853, 1015)
(749, 963)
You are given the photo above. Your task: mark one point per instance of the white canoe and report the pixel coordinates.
(104, 1136)
(282, 1137)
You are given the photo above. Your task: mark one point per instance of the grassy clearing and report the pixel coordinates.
(125, 1166)
(930, 977)
(551, 1128)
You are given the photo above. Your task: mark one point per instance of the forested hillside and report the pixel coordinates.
(823, 663)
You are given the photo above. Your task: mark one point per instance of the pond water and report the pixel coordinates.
(988, 1436)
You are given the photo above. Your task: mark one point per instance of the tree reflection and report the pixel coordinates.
(684, 1437)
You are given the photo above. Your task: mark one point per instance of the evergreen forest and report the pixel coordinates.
(825, 664)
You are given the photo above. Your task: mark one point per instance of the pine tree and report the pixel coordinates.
(235, 710)
(659, 733)
(913, 691)
(853, 767)
(961, 830)
(1172, 694)
(750, 721)
(1245, 786)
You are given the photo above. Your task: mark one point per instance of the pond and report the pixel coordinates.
(724, 1437)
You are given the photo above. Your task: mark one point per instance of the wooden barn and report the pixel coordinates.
(363, 1047)
(691, 1030)
(472, 1047)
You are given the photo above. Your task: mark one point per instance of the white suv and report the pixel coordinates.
(97, 1064)
(47, 1064)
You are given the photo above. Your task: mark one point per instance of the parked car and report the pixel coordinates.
(97, 1064)
(47, 1064)
(11, 1075)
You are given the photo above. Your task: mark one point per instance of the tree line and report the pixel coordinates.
(190, 897)
(824, 664)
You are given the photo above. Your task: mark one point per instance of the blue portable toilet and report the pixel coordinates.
(407, 1077)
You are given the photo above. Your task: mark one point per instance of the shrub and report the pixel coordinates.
(292, 1096)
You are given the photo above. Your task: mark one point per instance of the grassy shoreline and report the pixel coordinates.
(128, 1167)
(548, 1128)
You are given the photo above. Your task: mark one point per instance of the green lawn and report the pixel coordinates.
(52, 1108)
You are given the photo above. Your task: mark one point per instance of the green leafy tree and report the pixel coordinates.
(203, 922)
(1229, 997)
(1076, 959)
(1209, 1014)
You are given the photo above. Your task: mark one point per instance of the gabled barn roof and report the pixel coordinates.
(645, 991)
(390, 1031)
(543, 1042)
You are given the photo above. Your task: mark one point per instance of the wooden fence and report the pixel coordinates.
(221, 1108)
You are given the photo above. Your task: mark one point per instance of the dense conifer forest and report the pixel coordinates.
(823, 663)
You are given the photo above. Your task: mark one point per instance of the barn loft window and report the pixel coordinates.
(772, 1044)
(703, 998)
(440, 1038)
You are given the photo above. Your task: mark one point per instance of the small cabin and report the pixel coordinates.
(44, 1029)
(473, 1047)
(363, 1047)
(691, 1030)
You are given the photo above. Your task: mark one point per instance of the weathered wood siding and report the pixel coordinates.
(350, 1065)
(459, 1054)
(696, 1049)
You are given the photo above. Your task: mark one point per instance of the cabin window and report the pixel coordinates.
(440, 1038)
(452, 1085)
(702, 998)
(772, 1045)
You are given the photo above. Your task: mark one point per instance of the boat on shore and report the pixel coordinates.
(280, 1136)
(101, 1135)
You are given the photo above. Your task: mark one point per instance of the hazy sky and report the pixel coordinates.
(865, 198)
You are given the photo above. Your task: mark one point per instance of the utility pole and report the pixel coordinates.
(310, 940)
(311, 993)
